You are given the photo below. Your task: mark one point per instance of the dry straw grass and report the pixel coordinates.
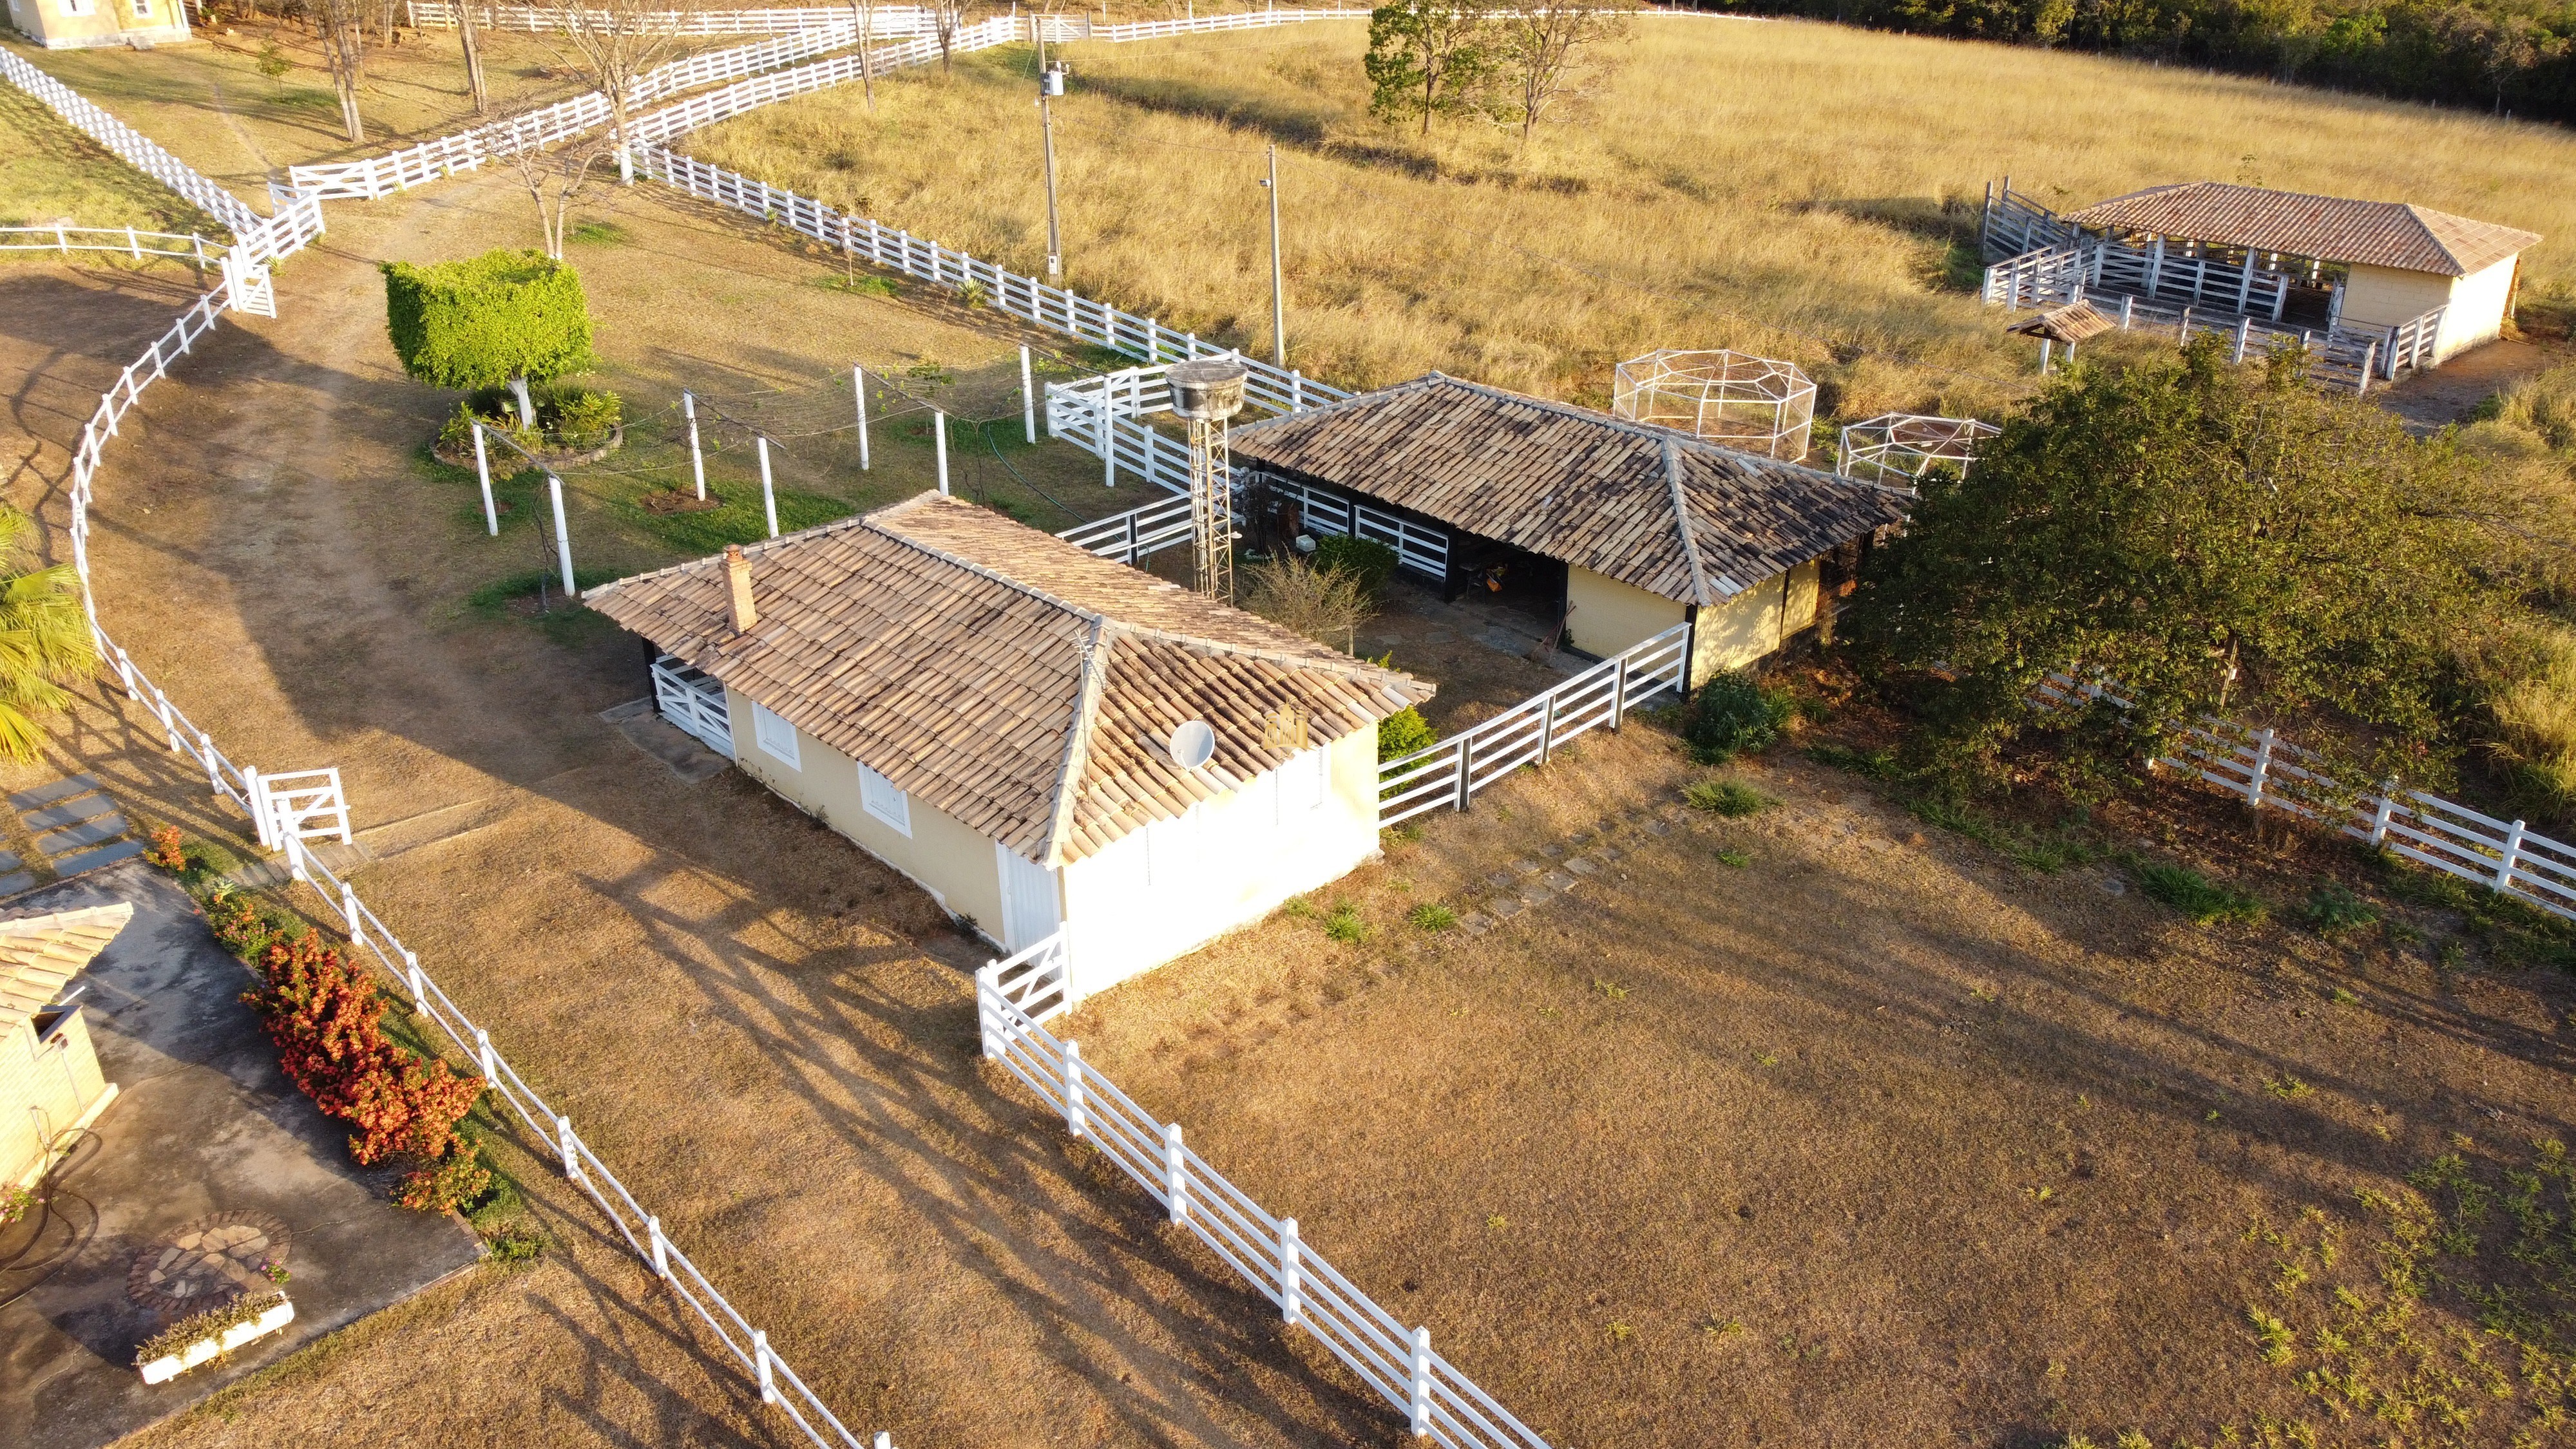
(1814, 178)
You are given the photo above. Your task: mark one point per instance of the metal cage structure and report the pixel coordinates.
(1897, 449)
(1754, 404)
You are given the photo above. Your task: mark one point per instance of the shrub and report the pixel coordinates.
(1731, 798)
(2332, 910)
(165, 851)
(515, 1245)
(449, 1183)
(1326, 605)
(1732, 714)
(15, 1203)
(2196, 896)
(486, 320)
(1402, 733)
(1370, 562)
(583, 418)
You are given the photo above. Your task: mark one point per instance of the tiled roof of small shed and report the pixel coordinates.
(39, 953)
(2330, 228)
(1005, 677)
(1648, 506)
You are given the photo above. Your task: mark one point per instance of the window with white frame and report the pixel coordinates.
(879, 797)
(775, 736)
(142, 9)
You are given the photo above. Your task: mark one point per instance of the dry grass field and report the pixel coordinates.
(50, 172)
(1788, 188)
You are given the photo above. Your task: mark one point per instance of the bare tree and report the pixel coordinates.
(947, 18)
(1547, 52)
(473, 56)
(617, 41)
(341, 23)
(866, 12)
(554, 173)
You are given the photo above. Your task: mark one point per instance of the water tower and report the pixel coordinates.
(1207, 391)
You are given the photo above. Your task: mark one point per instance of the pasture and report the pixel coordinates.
(1788, 188)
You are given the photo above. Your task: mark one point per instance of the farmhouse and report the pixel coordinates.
(1038, 736)
(50, 1083)
(79, 24)
(2354, 265)
(1629, 528)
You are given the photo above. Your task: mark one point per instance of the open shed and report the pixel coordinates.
(50, 1083)
(1650, 526)
(2341, 263)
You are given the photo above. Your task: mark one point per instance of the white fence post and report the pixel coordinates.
(768, 492)
(1073, 1088)
(483, 1054)
(257, 801)
(660, 1245)
(2380, 813)
(214, 772)
(1176, 1172)
(294, 854)
(563, 536)
(1618, 690)
(1421, 1381)
(939, 441)
(2512, 857)
(349, 913)
(1291, 1301)
(1028, 397)
(483, 473)
(760, 1367)
(859, 388)
(1546, 725)
(697, 460)
(2262, 769)
(412, 981)
(570, 1147)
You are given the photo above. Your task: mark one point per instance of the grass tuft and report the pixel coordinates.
(1431, 917)
(1731, 798)
(2196, 896)
(1344, 924)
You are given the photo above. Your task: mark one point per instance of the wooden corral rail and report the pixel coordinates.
(1012, 998)
(138, 245)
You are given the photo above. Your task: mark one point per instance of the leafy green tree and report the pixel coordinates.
(505, 317)
(45, 640)
(1429, 58)
(2218, 540)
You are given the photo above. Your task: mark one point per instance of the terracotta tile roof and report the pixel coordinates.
(1011, 680)
(1648, 506)
(2071, 323)
(39, 953)
(2329, 228)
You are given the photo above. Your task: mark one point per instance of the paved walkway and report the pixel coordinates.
(203, 1126)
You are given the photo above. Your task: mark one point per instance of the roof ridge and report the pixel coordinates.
(1359, 671)
(1682, 521)
(1077, 740)
(980, 570)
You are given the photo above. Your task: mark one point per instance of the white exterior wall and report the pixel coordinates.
(2386, 296)
(77, 24)
(2477, 310)
(1160, 892)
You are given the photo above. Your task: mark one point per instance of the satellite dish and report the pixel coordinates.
(1193, 744)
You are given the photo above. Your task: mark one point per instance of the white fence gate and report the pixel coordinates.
(694, 702)
(298, 804)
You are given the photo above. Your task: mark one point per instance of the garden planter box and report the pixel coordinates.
(170, 1365)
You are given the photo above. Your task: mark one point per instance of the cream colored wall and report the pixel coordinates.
(2385, 296)
(1735, 633)
(2477, 310)
(1610, 615)
(945, 857)
(1247, 859)
(110, 22)
(38, 1101)
(1800, 588)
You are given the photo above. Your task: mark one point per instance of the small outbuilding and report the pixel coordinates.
(1639, 527)
(2370, 264)
(50, 1084)
(1042, 738)
(83, 24)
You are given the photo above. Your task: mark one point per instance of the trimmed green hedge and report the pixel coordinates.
(480, 322)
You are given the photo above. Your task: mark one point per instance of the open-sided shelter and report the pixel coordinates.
(1643, 526)
(50, 1083)
(2371, 264)
(1039, 736)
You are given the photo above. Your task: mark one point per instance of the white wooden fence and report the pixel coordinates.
(695, 702)
(1137, 534)
(1439, 1401)
(1452, 771)
(889, 20)
(126, 240)
(129, 144)
(2266, 770)
(778, 1382)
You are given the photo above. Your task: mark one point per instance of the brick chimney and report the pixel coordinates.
(738, 589)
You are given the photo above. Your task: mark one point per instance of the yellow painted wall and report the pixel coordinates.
(950, 860)
(1801, 587)
(1162, 892)
(109, 22)
(2385, 296)
(46, 1088)
(1735, 633)
(2477, 310)
(1610, 615)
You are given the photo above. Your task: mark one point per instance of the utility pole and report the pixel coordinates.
(1278, 284)
(1050, 85)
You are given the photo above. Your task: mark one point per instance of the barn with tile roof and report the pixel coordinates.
(1633, 528)
(994, 711)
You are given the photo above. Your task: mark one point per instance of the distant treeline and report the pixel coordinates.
(2506, 56)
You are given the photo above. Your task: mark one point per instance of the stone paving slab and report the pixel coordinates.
(10, 885)
(203, 1124)
(62, 789)
(105, 827)
(70, 812)
(72, 865)
(9, 860)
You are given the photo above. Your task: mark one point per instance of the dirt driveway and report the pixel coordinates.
(771, 1036)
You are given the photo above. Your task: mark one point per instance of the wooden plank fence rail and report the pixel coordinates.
(2268, 771)
(1012, 998)
(1449, 773)
(889, 21)
(138, 245)
(780, 1384)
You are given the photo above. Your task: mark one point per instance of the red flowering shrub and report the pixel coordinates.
(326, 1022)
(238, 925)
(165, 851)
(451, 1182)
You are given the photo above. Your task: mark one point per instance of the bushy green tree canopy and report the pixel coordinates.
(2218, 539)
(1429, 58)
(486, 320)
